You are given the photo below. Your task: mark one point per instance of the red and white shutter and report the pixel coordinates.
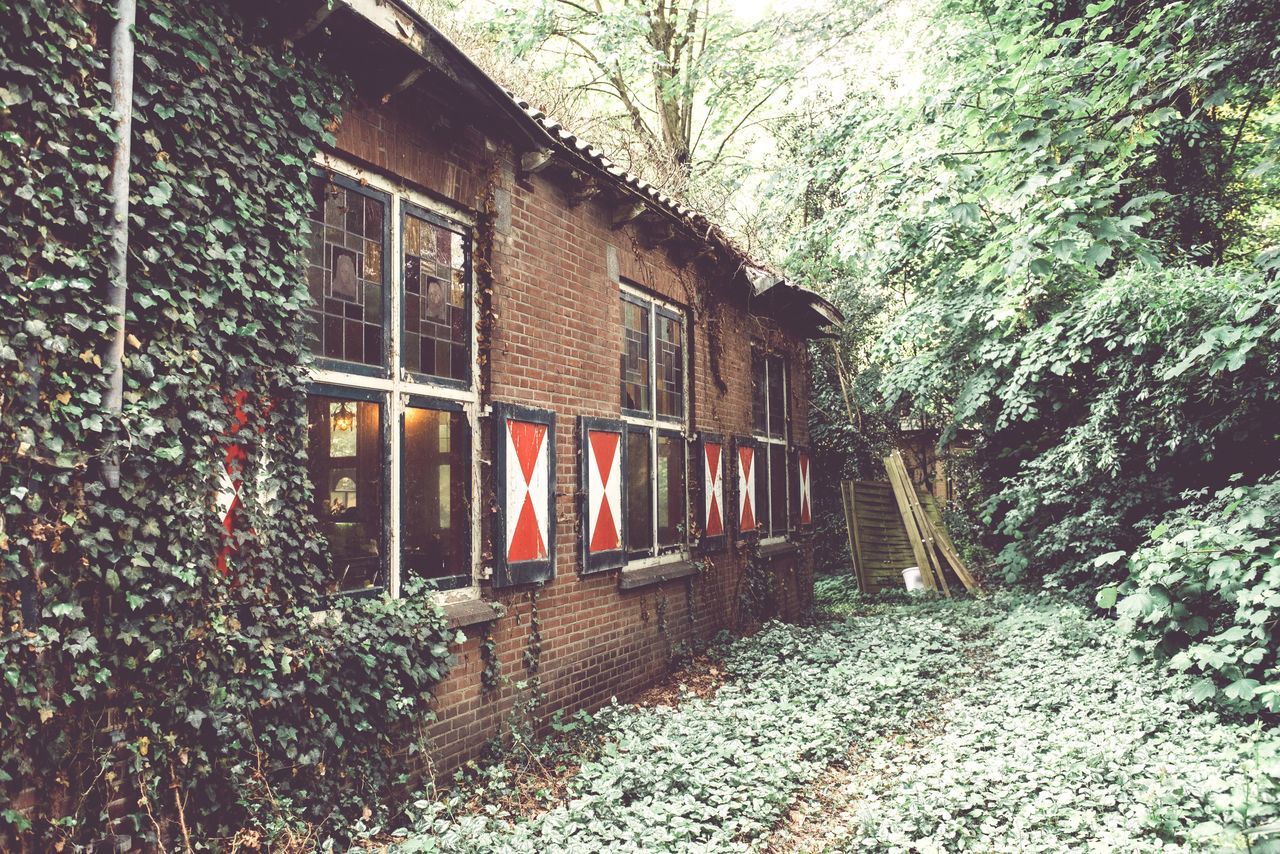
(745, 468)
(802, 472)
(601, 466)
(231, 479)
(524, 541)
(713, 458)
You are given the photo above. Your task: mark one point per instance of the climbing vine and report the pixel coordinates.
(212, 703)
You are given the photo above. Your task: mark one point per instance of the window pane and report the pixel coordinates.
(435, 525)
(793, 491)
(639, 497)
(778, 487)
(345, 275)
(761, 504)
(669, 356)
(777, 397)
(635, 357)
(436, 298)
(344, 459)
(757, 391)
(671, 513)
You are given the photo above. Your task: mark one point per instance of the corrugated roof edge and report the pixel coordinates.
(566, 142)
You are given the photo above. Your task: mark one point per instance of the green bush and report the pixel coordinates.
(1205, 593)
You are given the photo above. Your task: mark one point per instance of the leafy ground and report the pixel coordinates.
(1015, 723)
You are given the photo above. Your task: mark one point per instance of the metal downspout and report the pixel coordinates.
(117, 281)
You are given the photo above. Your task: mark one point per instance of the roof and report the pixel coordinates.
(543, 141)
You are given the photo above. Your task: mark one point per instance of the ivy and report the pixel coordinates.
(216, 706)
(1014, 723)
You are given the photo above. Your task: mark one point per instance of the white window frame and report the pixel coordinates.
(397, 388)
(654, 423)
(765, 441)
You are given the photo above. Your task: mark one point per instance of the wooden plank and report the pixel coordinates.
(913, 534)
(898, 469)
(851, 529)
(948, 548)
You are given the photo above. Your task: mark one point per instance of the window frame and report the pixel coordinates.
(634, 420)
(765, 441)
(342, 366)
(398, 388)
(406, 209)
(360, 395)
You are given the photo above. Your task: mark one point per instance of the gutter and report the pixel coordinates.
(117, 281)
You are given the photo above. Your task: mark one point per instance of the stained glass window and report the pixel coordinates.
(777, 397)
(669, 365)
(344, 460)
(436, 300)
(635, 357)
(346, 275)
(759, 385)
(435, 521)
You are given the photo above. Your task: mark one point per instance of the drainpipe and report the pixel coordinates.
(117, 281)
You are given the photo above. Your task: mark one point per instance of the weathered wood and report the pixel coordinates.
(948, 548)
(404, 83)
(901, 479)
(849, 501)
(913, 533)
(626, 212)
(533, 162)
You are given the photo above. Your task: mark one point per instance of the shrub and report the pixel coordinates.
(1204, 591)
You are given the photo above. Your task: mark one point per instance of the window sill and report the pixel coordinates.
(779, 550)
(471, 612)
(632, 578)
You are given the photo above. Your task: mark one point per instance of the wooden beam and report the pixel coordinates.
(899, 470)
(948, 548)
(913, 533)
(533, 162)
(626, 212)
(313, 23)
(404, 83)
(848, 498)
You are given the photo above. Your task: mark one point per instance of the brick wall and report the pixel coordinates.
(554, 344)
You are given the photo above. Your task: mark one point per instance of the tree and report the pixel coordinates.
(678, 91)
(1069, 200)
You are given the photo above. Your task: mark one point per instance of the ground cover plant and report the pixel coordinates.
(1041, 734)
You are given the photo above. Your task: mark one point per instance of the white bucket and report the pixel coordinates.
(911, 577)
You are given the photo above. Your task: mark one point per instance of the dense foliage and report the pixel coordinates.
(1064, 216)
(1204, 591)
(1013, 724)
(204, 703)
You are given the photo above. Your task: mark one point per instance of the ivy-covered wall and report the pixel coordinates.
(140, 683)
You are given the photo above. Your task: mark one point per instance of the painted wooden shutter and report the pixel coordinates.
(711, 461)
(524, 532)
(803, 514)
(602, 460)
(745, 451)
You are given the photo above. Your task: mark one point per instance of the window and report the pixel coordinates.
(653, 374)
(771, 426)
(393, 406)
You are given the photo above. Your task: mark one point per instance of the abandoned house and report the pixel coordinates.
(565, 401)
(633, 414)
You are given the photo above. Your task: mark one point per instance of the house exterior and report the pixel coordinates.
(560, 397)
